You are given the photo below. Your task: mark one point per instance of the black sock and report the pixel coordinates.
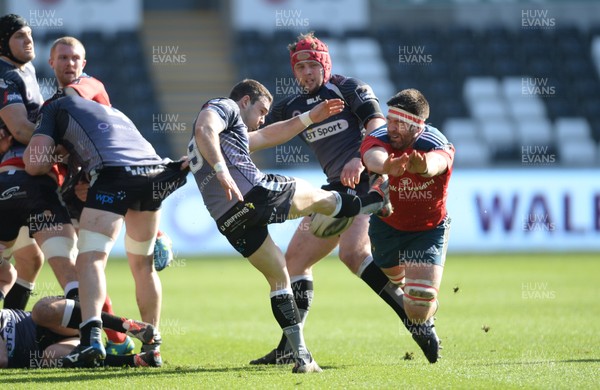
(119, 360)
(17, 297)
(287, 315)
(285, 310)
(73, 294)
(370, 198)
(109, 321)
(303, 295)
(85, 331)
(350, 207)
(380, 283)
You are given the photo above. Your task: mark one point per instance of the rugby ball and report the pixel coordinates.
(324, 227)
(163, 251)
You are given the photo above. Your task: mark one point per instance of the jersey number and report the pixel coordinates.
(196, 160)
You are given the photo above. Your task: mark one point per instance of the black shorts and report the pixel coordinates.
(245, 224)
(360, 189)
(31, 201)
(117, 189)
(67, 192)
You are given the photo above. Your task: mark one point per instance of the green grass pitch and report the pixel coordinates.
(507, 322)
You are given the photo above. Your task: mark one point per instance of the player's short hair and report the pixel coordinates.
(252, 88)
(68, 41)
(411, 100)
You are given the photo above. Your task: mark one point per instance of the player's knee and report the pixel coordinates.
(420, 293)
(352, 258)
(23, 239)
(143, 248)
(90, 241)
(59, 247)
(43, 310)
(398, 279)
(30, 255)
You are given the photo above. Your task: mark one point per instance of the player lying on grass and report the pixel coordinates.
(125, 172)
(44, 337)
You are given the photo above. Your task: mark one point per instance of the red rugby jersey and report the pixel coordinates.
(419, 202)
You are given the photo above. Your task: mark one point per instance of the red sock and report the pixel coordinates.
(115, 337)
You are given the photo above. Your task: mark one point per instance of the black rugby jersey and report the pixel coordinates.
(19, 86)
(236, 151)
(336, 140)
(95, 135)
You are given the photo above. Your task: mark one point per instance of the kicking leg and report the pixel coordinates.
(308, 200)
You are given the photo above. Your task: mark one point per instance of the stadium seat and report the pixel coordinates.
(596, 53)
(488, 108)
(471, 154)
(362, 48)
(572, 128)
(506, 66)
(534, 131)
(524, 106)
(460, 129)
(476, 88)
(375, 68)
(577, 153)
(511, 87)
(337, 50)
(499, 134)
(383, 89)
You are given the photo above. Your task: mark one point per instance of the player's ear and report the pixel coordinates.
(83, 63)
(245, 101)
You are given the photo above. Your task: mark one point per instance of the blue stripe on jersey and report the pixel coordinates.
(381, 133)
(431, 138)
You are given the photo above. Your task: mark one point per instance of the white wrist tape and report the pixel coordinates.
(220, 167)
(305, 119)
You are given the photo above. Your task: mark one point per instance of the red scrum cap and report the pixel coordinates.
(309, 48)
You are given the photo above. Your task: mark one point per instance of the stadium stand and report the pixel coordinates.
(125, 77)
(507, 87)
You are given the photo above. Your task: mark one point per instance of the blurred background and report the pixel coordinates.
(514, 85)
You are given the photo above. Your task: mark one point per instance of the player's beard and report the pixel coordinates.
(404, 142)
(310, 88)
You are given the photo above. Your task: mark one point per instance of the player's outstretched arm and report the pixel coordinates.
(280, 132)
(426, 164)
(351, 172)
